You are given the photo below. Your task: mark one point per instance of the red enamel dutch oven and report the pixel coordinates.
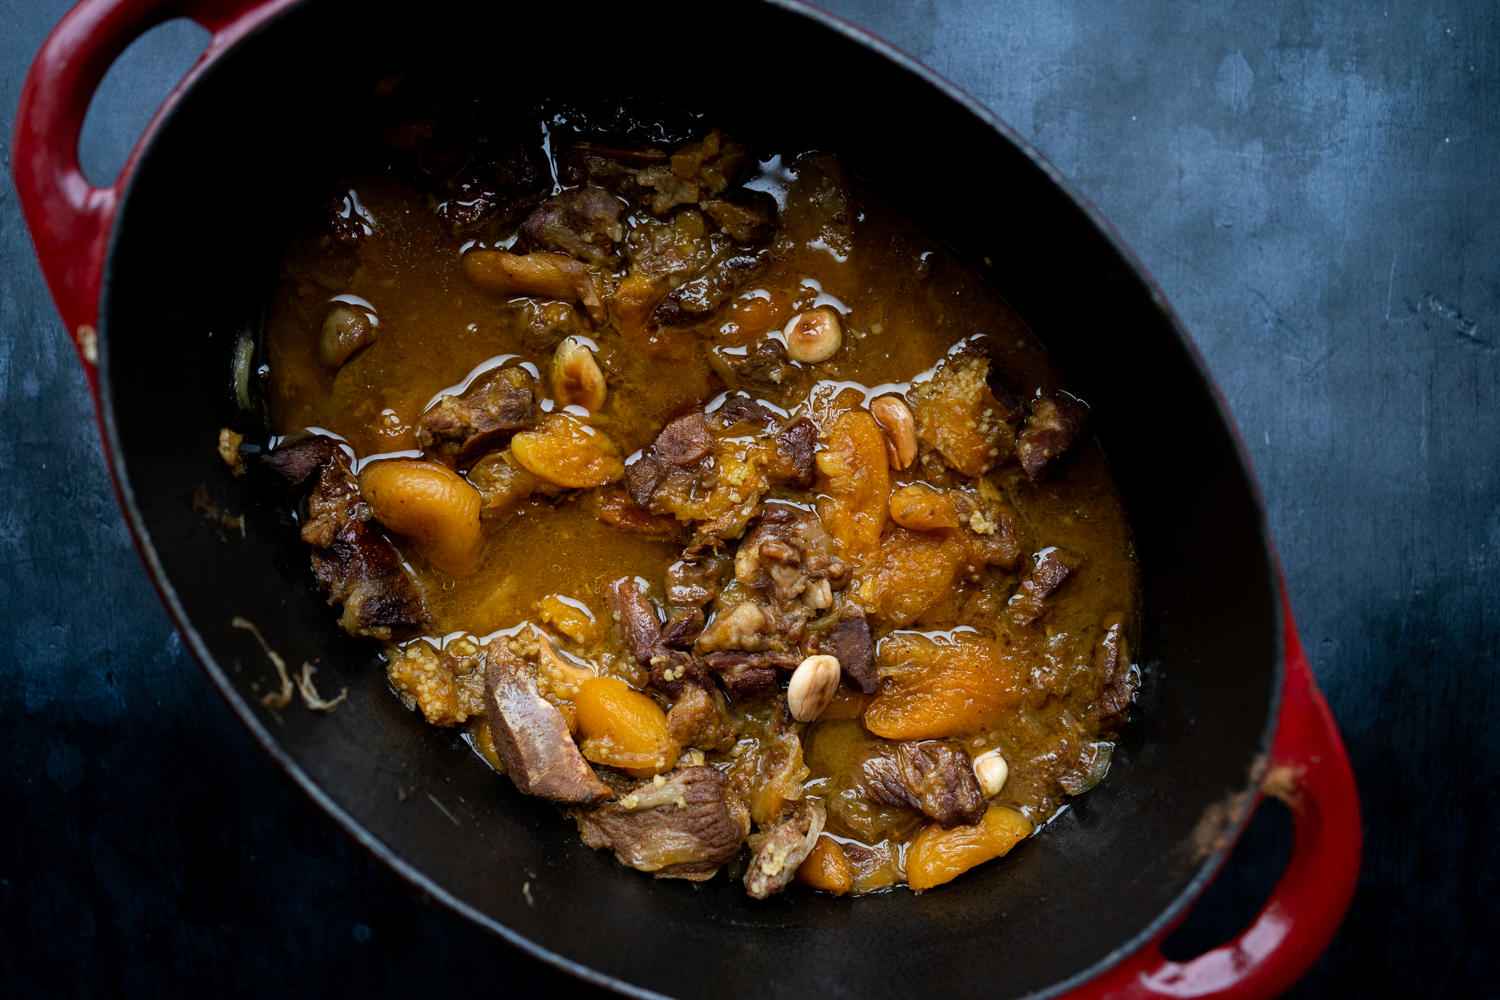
(157, 275)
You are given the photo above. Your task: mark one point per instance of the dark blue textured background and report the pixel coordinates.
(1315, 185)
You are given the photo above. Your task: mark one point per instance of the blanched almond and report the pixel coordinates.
(345, 330)
(991, 770)
(814, 336)
(895, 419)
(576, 378)
(812, 687)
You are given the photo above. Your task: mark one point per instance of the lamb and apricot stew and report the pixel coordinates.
(709, 498)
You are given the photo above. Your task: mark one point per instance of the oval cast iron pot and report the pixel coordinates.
(157, 274)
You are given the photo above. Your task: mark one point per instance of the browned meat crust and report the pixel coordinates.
(686, 827)
(642, 479)
(765, 368)
(849, 642)
(699, 719)
(1052, 569)
(685, 442)
(531, 735)
(583, 223)
(782, 848)
(933, 776)
(459, 430)
(296, 461)
(693, 583)
(797, 445)
(672, 670)
(745, 675)
(1057, 421)
(353, 561)
(739, 409)
(788, 554)
(746, 216)
(1116, 682)
(683, 627)
(696, 298)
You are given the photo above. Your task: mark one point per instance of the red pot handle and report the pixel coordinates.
(70, 219)
(1310, 772)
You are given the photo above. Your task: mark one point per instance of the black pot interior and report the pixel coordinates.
(196, 247)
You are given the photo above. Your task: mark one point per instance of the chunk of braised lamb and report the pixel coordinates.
(298, 460)
(667, 189)
(745, 675)
(583, 223)
(698, 297)
(1057, 421)
(935, 777)
(531, 736)
(683, 627)
(672, 671)
(749, 627)
(643, 478)
(686, 827)
(351, 560)
(730, 524)
(607, 166)
(796, 448)
(1014, 404)
(1052, 568)
(548, 321)
(990, 532)
(788, 553)
(764, 369)
(685, 442)
(701, 719)
(484, 168)
(693, 583)
(746, 216)
(632, 612)
(850, 643)
(671, 250)
(781, 849)
(1115, 681)
(740, 413)
(459, 430)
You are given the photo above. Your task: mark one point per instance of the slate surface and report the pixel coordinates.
(1317, 188)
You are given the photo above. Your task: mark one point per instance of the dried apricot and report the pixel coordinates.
(958, 415)
(428, 504)
(937, 689)
(623, 728)
(826, 868)
(569, 453)
(856, 482)
(570, 617)
(549, 275)
(937, 855)
(915, 571)
(922, 508)
(503, 485)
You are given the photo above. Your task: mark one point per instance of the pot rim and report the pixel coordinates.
(428, 889)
